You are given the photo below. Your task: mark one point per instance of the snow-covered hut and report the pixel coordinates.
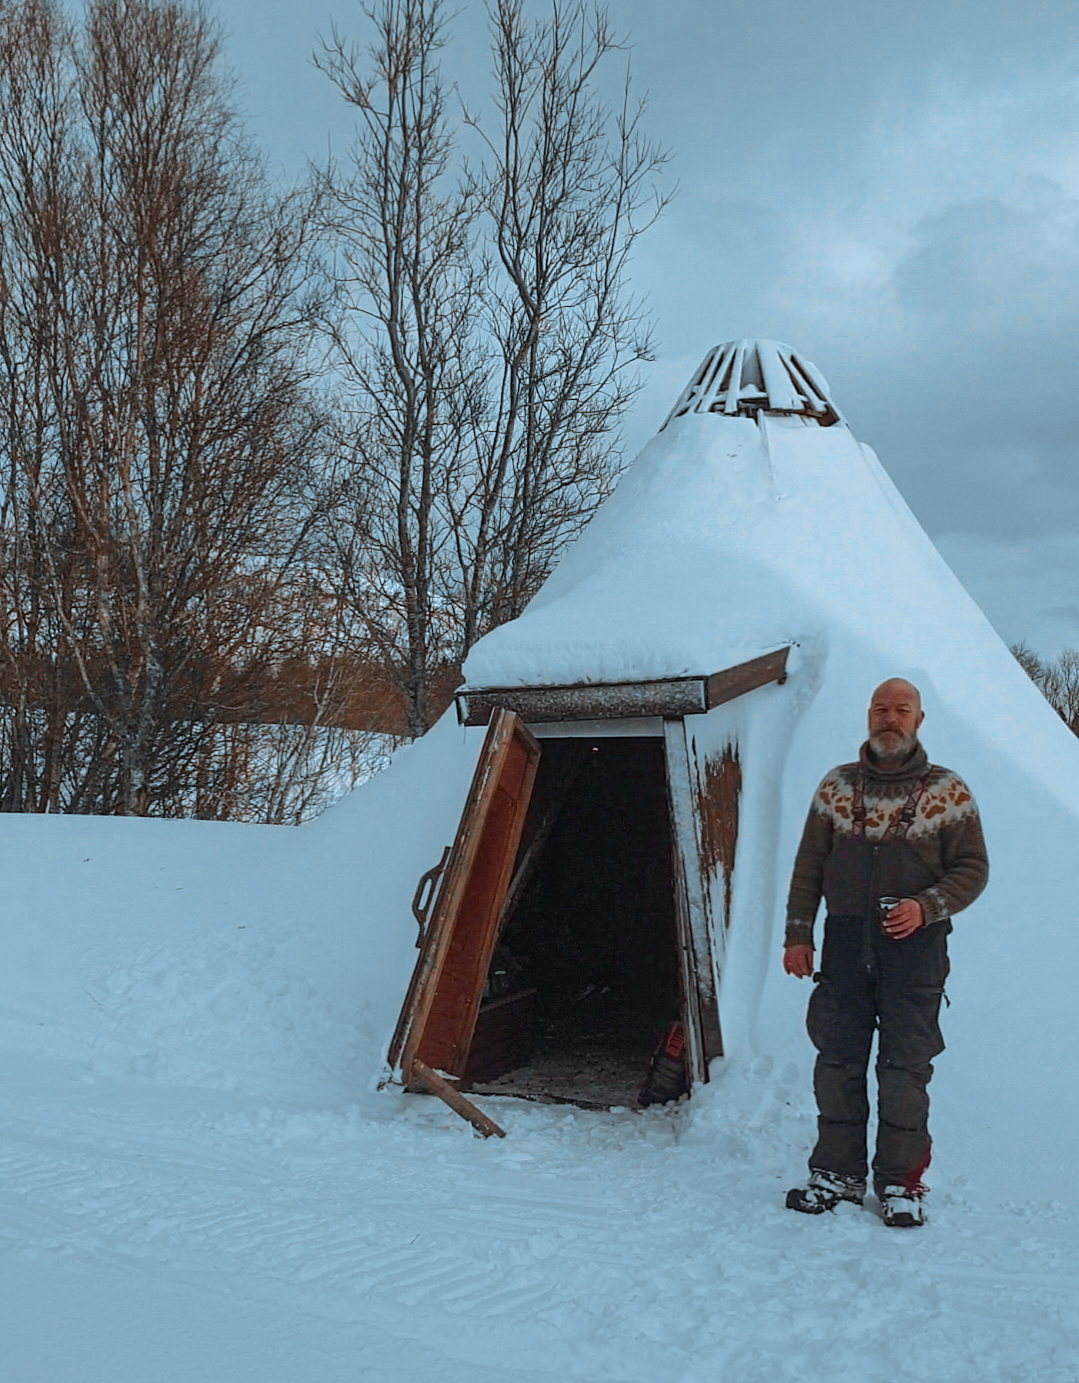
(661, 712)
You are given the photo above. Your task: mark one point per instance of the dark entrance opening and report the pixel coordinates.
(585, 979)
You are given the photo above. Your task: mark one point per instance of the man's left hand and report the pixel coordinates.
(904, 920)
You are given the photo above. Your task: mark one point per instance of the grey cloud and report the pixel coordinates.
(992, 265)
(977, 406)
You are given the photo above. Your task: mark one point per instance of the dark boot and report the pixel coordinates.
(824, 1192)
(903, 1208)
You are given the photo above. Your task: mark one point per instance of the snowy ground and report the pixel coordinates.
(199, 1184)
(156, 1232)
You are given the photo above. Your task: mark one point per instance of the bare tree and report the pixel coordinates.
(486, 337)
(404, 232)
(1063, 687)
(1029, 661)
(157, 430)
(567, 187)
(1058, 682)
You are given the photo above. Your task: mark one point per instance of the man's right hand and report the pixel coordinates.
(798, 960)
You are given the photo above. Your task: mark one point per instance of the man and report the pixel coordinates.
(891, 826)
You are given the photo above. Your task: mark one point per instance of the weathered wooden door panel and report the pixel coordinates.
(705, 763)
(696, 939)
(439, 1016)
(448, 1033)
(716, 772)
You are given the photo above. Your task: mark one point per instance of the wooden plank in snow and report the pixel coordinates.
(426, 1079)
(782, 396)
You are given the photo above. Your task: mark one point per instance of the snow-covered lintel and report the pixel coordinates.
(668, 696)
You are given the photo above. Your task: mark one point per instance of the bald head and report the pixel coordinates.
(895, 716)
(898, 687)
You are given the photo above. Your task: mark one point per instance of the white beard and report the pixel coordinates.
(895, 749)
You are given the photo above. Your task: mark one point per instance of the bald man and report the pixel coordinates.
(897, 828)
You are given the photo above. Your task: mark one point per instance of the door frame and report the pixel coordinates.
(699, 953)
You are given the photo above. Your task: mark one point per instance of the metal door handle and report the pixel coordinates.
(421, 907)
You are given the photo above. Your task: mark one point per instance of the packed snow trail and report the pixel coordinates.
(391, 1244)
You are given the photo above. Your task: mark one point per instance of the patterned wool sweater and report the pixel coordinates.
(943, 862)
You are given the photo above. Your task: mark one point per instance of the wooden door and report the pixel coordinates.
(439, 1015)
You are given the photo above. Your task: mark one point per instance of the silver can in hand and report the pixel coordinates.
(884, 907)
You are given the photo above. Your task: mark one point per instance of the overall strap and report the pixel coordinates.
(857, 807)
(901, 820)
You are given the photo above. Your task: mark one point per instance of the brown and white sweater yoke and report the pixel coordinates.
(944, 841)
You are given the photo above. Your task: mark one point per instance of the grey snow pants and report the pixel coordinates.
(867, 983)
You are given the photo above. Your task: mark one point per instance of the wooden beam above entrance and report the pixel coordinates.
(669, 696)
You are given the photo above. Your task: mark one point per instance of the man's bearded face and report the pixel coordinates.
(891, 744)
(895, 714)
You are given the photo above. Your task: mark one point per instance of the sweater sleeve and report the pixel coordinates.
(807, 880)
(966, 867)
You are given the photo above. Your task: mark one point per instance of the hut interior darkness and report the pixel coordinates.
(584, 980)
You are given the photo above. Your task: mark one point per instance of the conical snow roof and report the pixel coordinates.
(738, 529)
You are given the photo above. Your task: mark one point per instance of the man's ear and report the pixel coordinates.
(921, 717)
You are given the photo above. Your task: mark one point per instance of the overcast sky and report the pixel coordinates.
(892, 190)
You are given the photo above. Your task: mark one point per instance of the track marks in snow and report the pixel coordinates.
(641, 1258)
(200, 1214)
